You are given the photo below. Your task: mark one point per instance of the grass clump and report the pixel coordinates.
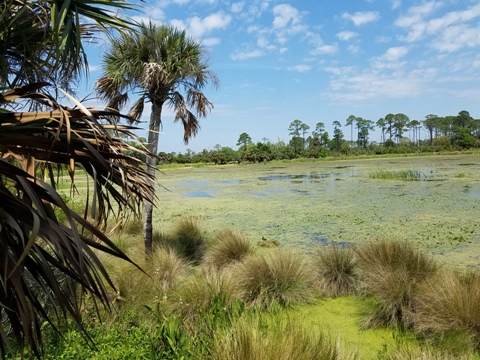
(189, 238)
(449, 302)
(199, 294)
(335, 270)
(409, 175)
(279, 279)
(228, 246)
(168, 268)
(279, 339)
(391, 271)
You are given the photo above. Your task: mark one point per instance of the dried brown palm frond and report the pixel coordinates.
(44, 263)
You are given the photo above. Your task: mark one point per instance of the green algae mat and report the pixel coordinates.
(304, 204)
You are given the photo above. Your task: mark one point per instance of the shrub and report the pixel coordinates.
(189, 238)
(228, 246)
(391, 271)
(335, 270)
(449, 302)
(281, 278)
(280, 339)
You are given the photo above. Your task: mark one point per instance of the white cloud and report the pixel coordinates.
(362, 17)
(346, 35)
(300, 68)
(92, 68)
(353, 49)
(245, 55)
(353, 85)
(444, 29)
(454, 38)
(395, 53)
(237, 7)
(197, 27)
(284, 15)
(324, 49)
(396, 4)
(212, 41)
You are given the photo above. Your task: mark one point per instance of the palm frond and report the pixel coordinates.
(37, 249)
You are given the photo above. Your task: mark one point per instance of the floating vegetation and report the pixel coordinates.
(409, 175)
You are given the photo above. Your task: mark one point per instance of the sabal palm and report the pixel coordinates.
(164, 66)
(43, 260)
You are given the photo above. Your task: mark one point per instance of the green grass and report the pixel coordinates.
(409, 175)
(335, 270)
(278, 339)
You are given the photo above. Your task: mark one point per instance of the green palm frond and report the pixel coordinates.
(42, 39)
(44, 262)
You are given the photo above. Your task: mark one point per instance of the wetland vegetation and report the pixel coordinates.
(373, 268)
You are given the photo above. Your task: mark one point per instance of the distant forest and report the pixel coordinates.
(399, 135)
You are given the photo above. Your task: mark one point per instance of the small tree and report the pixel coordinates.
(243, 140)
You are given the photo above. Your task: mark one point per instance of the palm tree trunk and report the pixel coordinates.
(151, 162)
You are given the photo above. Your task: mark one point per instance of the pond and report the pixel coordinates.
(304, 204)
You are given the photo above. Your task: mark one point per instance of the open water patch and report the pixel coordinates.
(199, 194)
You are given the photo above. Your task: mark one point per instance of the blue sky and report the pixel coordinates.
(315, 61)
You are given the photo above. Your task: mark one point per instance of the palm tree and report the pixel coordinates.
(44, 261)
(167, 68)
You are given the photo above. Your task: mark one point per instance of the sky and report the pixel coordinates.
(320, 61)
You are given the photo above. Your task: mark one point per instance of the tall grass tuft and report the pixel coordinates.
(190, 238)
(449, 302)
(335, 270)
(409, 175)
(280, 339)
(228, 246)
(391, 271)
(168, 268)
(279, 279)
(199, 293)
(428, 355)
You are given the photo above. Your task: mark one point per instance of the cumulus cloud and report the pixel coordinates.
(346, 35)
(198, 27)
(451, 31)
(361, 17)
(395, 53)
(284, 15)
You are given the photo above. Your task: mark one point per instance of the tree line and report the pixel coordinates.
(398, 134)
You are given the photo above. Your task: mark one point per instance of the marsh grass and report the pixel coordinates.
(449, 303)
(279, 339)
(199, 293)
(190, 238)
(335, 270)
(409, 175)
(419, 354)
(280, 278)
(228, 246)
(391, 271)
(168, 268)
